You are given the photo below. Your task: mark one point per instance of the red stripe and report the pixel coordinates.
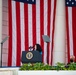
(34, 23)
(53, 30)
(26, 25)
(42, 23)
(10, 33)
(48, 26)
(74, 29)
(18, 33)
(67, 29)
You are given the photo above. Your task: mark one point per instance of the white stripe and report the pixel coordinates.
(51, 28)
(45, 16)
(45, 29)
(66, 57)
(14, 42)
(38, 21)
(70, 30)
(22, 26)
(30, 25)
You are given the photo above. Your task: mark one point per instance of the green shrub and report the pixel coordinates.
(35, 66)
(71, 66)
(41, 66)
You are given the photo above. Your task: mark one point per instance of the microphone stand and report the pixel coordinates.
(1, 53)
(47, 40)
(2, 46)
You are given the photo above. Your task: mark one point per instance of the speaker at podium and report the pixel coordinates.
(31, 57)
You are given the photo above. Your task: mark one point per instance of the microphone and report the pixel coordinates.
(31, 48)
(4, 39)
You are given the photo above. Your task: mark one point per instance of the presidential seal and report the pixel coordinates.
(29, 55)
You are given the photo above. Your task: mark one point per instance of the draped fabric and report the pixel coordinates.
(71, 27)
(27, 23)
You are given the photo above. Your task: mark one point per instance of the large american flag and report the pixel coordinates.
(71, 27)
(28, 21)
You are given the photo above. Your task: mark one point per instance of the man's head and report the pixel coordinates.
(72, 58)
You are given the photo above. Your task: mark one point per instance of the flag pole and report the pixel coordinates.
(59, 34)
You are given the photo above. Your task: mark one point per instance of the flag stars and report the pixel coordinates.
(67, 2)
(32, 0)
(72, 2)
(75, 0)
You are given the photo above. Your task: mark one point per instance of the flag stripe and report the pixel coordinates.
(42, 23)
(74, 30)
(10, 32)
(70, 30)
(45, 30)
(68, 48)
(26, 25)
(14, 34)
(34, 23)
(38, 21)
(48, 31)
(30, 25)
(53, 28)
(18, 38)
(22, 26)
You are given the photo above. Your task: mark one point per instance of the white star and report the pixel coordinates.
(72, 2)
(27, 0)
(67, 2)
(33, 0)
(75, 0)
